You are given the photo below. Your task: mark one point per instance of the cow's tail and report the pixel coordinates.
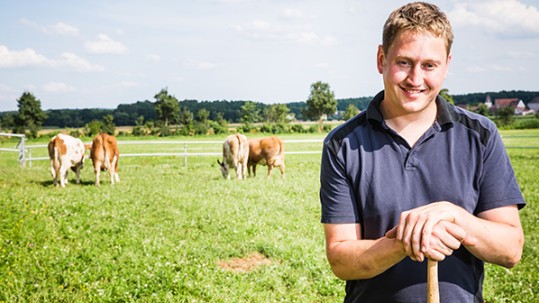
(281, 149)
(240, 147)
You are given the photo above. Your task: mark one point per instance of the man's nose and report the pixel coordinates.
(415, 76)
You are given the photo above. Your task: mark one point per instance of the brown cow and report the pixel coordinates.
(235, 154)
(266, 151)
(105, 155)
(65, 152)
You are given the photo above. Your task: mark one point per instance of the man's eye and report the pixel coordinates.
(429, 66)
(404, 63)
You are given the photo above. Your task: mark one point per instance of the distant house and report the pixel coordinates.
(534, 104)
(515, 103)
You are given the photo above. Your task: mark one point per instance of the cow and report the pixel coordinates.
(266, 151)
(65, 152)
(235, 154)
(105, 155)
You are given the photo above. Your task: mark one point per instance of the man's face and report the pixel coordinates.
(413, 70)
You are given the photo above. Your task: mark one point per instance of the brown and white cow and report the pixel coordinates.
(235, 154)
(266, 151)
(65, 152)
(105, 155)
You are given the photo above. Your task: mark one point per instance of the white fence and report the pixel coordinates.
(188, 149)
(19, 148)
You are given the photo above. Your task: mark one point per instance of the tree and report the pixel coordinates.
(321, 102)
(506, 115)
(276, 113)
(186, 120)
(108, 125)
(482, 109)
(350, 112)
(249, 114)
(445, 93)
(203, 115)
(167, 108)
(30, 116)
(8, 121)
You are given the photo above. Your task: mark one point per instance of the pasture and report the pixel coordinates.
(171, 232)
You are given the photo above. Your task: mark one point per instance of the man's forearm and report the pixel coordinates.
(363, 259)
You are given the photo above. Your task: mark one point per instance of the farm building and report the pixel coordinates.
(534, 104)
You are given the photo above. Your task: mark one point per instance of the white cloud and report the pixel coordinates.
(64, 29)
(153, 57)
(58, 87)
(105, 45)
(30, 58)
(523, 54)
(294, 13)
(503, 17)
(78, 63)
(26, 57)
(59, 28)
(206, 65)
(259, 29)
(128, 84)
(488, 68)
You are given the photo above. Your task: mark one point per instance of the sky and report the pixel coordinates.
(99, 54)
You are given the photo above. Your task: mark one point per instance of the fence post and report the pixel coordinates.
(185, 154)
(22, 151)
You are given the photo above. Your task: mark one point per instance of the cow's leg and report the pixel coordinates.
(281, 168)
(77, 172)
(54, 173)
(114, 168)
(63, 175)
(112, 171)
(237, 168)
(97, 171)
(270, 167)
(254, 170)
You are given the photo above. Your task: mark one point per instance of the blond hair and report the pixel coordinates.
(418, 17)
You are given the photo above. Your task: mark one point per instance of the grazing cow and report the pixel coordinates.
(235, 154)
(105, 155)
(65, 152)
(266, 151)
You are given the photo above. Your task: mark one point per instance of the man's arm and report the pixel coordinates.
(494, 236)
(352, 258)
(499, 234)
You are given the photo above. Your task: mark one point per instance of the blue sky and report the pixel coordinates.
(98, 54)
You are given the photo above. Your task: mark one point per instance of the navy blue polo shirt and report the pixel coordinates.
(369, 175)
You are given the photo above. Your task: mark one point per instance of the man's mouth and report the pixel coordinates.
(412, 91)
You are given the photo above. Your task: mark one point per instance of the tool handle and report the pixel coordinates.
(433, 292)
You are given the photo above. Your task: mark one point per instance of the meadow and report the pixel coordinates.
(171, 232)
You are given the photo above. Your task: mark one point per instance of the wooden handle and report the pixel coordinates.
(433, 293)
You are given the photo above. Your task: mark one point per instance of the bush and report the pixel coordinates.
(527, 124)
(298, 128)
(75, 133)
(218, 128)
(281, 128)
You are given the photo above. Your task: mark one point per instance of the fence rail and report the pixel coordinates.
(191, 148)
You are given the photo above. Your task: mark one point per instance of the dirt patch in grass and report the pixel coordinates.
(245, 264)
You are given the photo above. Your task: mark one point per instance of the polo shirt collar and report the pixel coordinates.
(445, 112)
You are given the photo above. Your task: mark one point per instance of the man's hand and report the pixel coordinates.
(429, 231)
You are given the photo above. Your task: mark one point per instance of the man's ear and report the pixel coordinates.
(448, 61)
(380, 59)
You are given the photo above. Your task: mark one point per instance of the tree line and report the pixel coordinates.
(166, 115)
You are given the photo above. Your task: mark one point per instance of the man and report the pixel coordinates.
(413, 177)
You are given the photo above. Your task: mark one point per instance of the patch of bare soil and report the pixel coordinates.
(245, 264)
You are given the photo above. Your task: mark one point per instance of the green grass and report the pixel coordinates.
(160, 235)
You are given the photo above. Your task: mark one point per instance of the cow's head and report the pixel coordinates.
(224, 169)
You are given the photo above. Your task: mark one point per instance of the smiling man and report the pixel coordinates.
(414, 177)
